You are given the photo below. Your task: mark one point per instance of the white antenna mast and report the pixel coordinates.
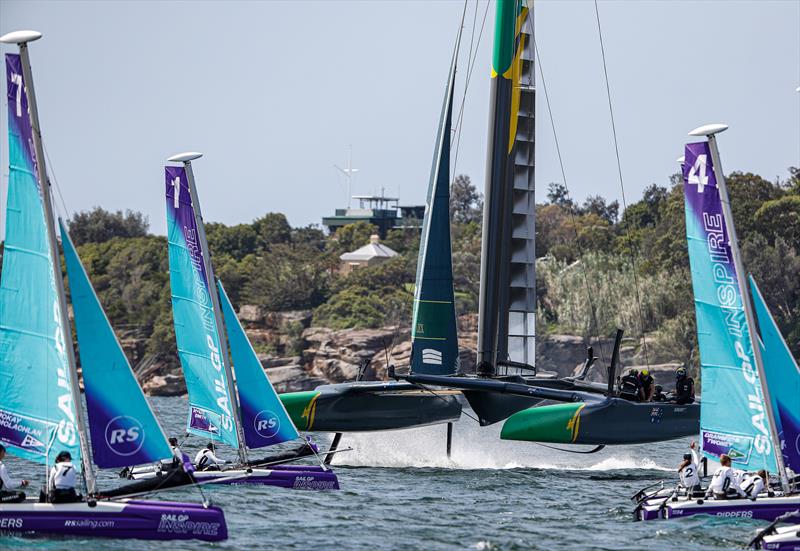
(348, 173)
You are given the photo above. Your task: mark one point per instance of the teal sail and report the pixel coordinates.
(783, 380)
(434, 338)
(733, 419)
(123, 428)
(37, 414)
(264, 419)
(211, 412)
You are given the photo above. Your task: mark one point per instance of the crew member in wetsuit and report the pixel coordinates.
(689, 471)
(205, 460)
(647, 383)
(753, 484)
(724, 484)
(658, 394)
(7, 494)
(630, 388)
(684, 387)
(61, 486)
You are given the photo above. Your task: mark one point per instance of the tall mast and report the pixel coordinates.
(710, 131)
(21, 38)
(186, 159)
(507, 304)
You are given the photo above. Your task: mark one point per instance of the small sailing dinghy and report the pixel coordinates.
(42, 413)
(782, 534)
(242, 411)
(751, 382)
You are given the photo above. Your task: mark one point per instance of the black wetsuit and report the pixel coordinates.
(684, 390)
(647, 383)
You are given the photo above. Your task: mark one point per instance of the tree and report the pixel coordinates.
(355, 235)
(595, 204)
(558, 194)
(236, 241)
(100, 225)
(272, 228)
(466, 202)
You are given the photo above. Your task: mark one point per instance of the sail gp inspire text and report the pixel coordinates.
(202, 297)
(728, 298)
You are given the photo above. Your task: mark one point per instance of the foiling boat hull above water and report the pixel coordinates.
(763, 508)
(150, 520)
(610, 421)
(297, 477)
(370, 406)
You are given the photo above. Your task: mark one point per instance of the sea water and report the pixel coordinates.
(400, 491)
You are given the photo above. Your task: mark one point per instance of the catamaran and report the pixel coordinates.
(507, 385)
(42, 412)
(751, 382)
(242, 411)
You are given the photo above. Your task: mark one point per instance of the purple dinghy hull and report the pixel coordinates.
(297, 477)
(764, 508)
(148, 520)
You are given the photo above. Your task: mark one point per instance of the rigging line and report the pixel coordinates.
(55, 181)
(592, 310)
(470, 69)
(457, 126)
(622, 186)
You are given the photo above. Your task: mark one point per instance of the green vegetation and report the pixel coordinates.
(584, 250)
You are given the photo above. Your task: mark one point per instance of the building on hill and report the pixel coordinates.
(379, 210)
(369, 255)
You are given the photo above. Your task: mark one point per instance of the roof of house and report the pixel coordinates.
(372, 250)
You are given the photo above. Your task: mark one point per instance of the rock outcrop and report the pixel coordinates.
(299, 357)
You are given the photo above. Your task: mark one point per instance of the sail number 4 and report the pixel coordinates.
(698, 174)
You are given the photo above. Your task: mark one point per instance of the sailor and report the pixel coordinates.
(177, 453)
(753, 484)
(61, 486)
(7, 494)
(205, 460)
(646, 381)
(689, 471)
(724, 484)
(630, 388)
(658, 394)
(684, 387)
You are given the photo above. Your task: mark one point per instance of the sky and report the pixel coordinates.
(274, 93)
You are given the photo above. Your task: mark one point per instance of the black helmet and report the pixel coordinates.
(680, 373)
(659, 388)
(687, 457)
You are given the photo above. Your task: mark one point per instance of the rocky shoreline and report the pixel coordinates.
(298, 356)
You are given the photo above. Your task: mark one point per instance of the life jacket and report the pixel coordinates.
(684, 390)
(629, 385)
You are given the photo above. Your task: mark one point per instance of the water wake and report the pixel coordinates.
(477, 447)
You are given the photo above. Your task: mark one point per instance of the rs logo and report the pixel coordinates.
(267, 424)
(124, 435)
